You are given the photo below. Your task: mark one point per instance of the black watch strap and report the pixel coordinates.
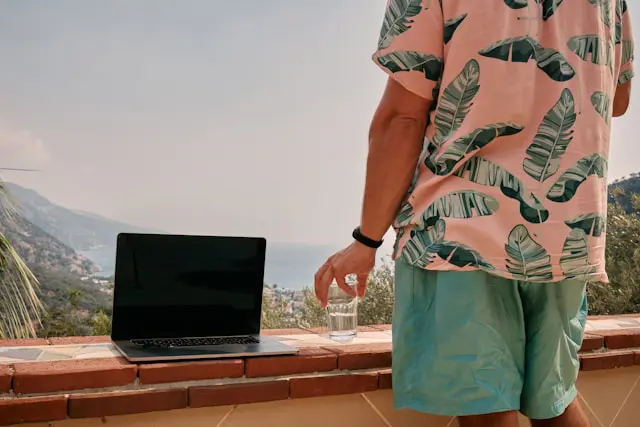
(367, 241)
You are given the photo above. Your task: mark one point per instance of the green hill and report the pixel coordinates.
(622, 191)
(90, 235)
(37, 247)
(59, 269)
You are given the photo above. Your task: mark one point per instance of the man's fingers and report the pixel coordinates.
(324, 277)
(342, 283)
(321, 271)
(363, 279)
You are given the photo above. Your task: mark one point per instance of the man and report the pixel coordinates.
(501, 224)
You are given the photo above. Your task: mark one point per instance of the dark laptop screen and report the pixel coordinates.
(169, 286)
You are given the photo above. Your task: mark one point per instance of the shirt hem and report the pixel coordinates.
(594, 277)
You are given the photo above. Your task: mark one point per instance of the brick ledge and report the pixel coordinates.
(49, 391)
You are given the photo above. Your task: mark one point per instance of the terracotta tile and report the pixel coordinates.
(383, 327)
(628, 416)
(237, 394)
(126, 402)
(189, 417)
(27, 342)
(608, 360)
(158, 373)
(591, 416)
(605, 391)
(281, 332)
(5, 378)
(332, 385)
(33, 410)
(79, 340)
(308, 360)
(383, 401)
(341, 411)
(385, 379)
(592, 342)
(46, 377)
(621, 338)
(363, 356)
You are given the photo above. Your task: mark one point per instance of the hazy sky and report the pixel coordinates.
(219, 117)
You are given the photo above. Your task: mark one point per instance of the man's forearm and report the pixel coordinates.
(395, 145)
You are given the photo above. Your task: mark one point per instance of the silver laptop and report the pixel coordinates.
(189, 297)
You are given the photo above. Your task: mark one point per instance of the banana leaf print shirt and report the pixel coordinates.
(513, 175)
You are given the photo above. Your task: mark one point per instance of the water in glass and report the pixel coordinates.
(342, 314)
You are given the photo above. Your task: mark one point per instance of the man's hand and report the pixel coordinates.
(354, 259)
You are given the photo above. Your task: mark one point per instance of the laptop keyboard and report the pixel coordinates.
(191, 342)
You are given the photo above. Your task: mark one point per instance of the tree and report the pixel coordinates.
(20, 306)
(375, 308)
(101, 322)
(622, 294)
(312, 315)
(273, 313)
(63, 320)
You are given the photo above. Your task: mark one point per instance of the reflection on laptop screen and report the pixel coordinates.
(169, 286)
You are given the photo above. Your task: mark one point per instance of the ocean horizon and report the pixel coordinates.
(288, 265)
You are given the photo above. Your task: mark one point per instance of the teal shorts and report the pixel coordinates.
(469, 343)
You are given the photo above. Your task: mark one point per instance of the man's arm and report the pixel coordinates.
(625, 49)
(396, 135)
(621, 99)
(395, 143)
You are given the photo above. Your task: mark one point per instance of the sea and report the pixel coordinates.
(288, 265)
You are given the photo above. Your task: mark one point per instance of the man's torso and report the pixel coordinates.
(513, 177)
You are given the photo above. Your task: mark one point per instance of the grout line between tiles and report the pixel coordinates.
(451, 421)
(590, 409)
(624, 402)
(376, 410)
(227, 415)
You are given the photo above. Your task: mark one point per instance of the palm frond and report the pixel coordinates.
(20, 306)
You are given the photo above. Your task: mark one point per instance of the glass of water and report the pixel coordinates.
(342, 313)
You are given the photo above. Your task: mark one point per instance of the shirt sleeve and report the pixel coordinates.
(411, 45)
(626, 40)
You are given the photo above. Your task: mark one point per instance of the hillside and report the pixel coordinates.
(37, 247)
(629, 186)
(57, 267)
(94, 237)
(89, 234)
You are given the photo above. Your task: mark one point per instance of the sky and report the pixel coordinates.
(203, 116)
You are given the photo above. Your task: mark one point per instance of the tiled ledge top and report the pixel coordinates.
(92, 381)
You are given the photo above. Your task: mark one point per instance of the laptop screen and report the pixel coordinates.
(169, 286)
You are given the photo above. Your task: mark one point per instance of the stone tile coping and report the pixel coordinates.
(619, 332)
(90, 379)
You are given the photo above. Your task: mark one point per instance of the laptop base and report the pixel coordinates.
(268, 346)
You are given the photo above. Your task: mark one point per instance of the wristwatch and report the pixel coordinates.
(367, 241)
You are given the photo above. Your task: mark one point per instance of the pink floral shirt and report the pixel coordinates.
(513, 175)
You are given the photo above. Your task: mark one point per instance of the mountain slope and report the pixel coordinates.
(37, 247)
(628, 187)
(80, 231)
(90, 235)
